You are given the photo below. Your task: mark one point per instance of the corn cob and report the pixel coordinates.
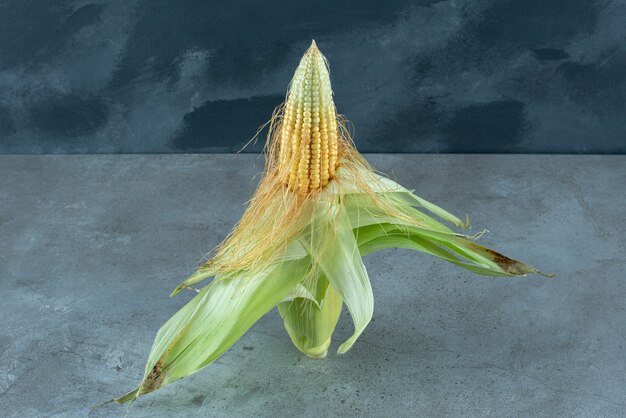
(308, 137)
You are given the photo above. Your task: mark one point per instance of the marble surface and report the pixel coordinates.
(92, 245)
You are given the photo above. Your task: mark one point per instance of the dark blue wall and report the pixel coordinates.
(421, 76)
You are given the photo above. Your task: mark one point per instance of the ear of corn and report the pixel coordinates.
(318, 209)
(308, 140)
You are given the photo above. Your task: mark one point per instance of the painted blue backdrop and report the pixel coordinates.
(413, 76)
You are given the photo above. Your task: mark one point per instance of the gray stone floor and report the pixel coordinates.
(91, 246)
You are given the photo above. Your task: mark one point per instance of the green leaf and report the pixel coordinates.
(311, 322)
(295, 251)
(362, 211)
(384, 185)
(333, 247)
(196, 277)
(300, 292)
(214, 320)
(455, 249)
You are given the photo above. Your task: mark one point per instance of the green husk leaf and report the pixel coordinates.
(455, 249)
(362, 211)
(196, 277)
(388, 185)
(384, 185)
(333, 247)
(300, 292)
(377, 229)
(214, 320)
(295, 251)
(310, 323)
